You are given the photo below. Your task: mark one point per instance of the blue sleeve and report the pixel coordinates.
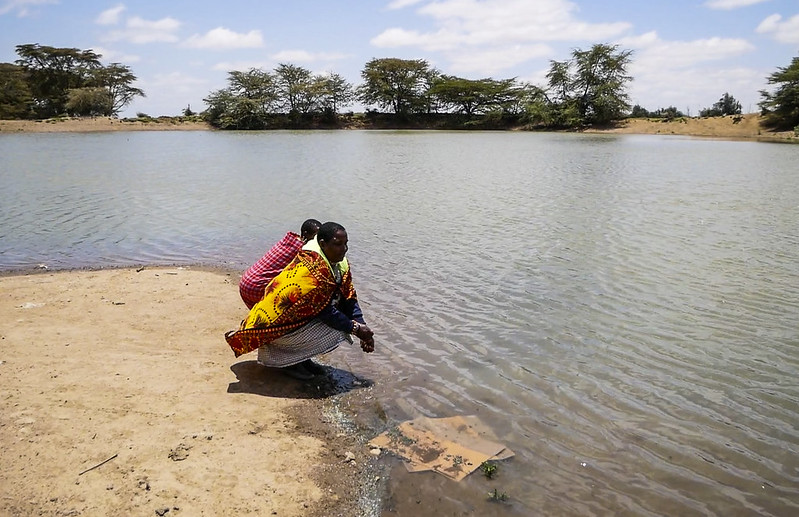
(340, 318)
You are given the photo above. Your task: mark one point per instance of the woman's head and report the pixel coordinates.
(332, 238)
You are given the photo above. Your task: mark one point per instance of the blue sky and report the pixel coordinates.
(686, 53)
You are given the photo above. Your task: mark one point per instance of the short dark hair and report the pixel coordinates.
(328, 230)
(310, 226)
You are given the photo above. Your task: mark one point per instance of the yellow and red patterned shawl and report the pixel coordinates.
(296, 296)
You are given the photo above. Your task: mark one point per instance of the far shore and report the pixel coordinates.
(742, 127)
(97, 124)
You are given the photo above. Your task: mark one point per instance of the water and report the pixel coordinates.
(623, 311)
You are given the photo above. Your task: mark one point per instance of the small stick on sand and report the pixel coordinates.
(99, 464)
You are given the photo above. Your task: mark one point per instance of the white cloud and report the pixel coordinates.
(286, 56)
(229, 66)
(303, 56)
(535, 77)
(732, 4)
(783, 31)
(704, 87)
(492, 61)
(175, 81)
(433, 41)
(652, 53)
(22, 7)
(112, 56)
(399, 4)
(666, 71)
(645, 40)
(496, 34)
(110, 16)
(225, 39)
(170, 94)
(493, 21)
(139, 30)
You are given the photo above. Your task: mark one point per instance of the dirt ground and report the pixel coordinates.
(745, 127)
(90, 125)
(120, 397)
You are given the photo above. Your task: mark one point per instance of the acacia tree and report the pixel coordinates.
(117, 80)
(476, 96)
(52, 72)
(590, 88)
(336, 92)
(55, 77)
(599, 83)
(16, 99)
(460, 95)
(221, 108)
(511, 97)
(639, 111)
(303, 93)
(253, 98)
(246, 103)
(560, 81)
(89, 101)
(555, 106)
(781, 107)
(295, 88)
(727, 105)
(399, 85)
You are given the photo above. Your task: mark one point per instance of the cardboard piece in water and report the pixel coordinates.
(453, 446)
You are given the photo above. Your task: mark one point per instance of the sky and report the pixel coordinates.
(686, 53)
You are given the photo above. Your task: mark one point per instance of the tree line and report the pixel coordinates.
(726, 105)
(589, 88)
(49, 81)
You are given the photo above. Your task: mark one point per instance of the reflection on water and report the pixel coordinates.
(621, 310)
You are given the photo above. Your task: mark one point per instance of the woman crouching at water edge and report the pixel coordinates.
(308, 309)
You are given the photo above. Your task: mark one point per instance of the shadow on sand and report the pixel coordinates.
(272, 382)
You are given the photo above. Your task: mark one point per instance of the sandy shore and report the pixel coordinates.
(91, 125)
(746, 127)
(121, 397)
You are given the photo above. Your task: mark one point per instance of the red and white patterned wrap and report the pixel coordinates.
(254, 281)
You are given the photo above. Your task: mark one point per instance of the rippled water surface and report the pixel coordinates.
(623, 311)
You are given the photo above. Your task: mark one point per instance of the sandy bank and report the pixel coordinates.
(121, 397)
(746, 127)
(90, 125)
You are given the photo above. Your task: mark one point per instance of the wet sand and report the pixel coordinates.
(121, 397)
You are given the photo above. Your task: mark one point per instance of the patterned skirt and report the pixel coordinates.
(312, 339)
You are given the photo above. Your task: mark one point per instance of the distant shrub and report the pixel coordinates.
(639, 112)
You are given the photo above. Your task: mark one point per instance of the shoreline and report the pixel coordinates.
(123, 398)
(743, 127)
(96, 124)
(734, 128)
